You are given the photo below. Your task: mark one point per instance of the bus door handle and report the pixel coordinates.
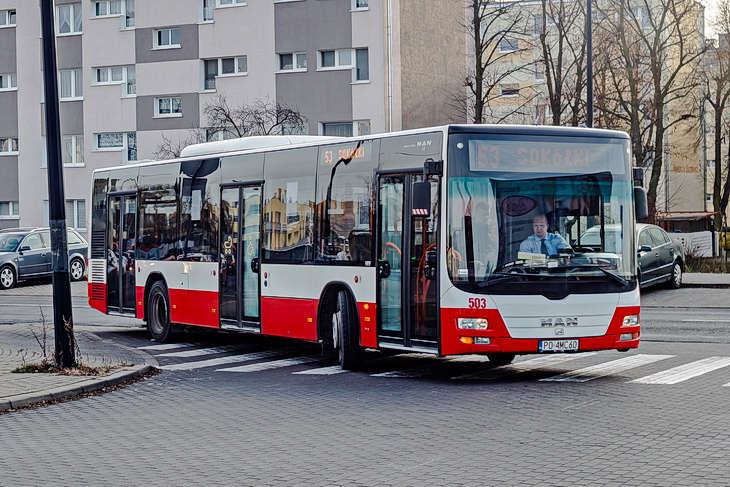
(383, 269)
(255, 265)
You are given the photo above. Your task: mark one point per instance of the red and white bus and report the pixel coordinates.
(410, 241)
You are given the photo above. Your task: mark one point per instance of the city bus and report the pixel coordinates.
(414, 241)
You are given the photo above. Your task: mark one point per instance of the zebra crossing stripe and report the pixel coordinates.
(524, 366)
(165, 346)
(608, 368)
(198, 352)
(334, 369)
(231, 359)
(274, 364)
(685, 372)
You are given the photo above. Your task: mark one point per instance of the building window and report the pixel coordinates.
(8, 145)
(230, 3)
(539, 74)
(107, 8)
(710, 163)
(362, 66)
(8, 82)
(206, 10)
(345, 129)
(72, 150)
(355, 59)
(68, 18)
(7, 18)
(129, 14)
(509, 90)
(112, 142)
(359, 4)
(227, 66)
(168, 107)
(71, 83)
(508, 45)
(9, 210)
(295, 61)
(166, 38)
(76, 214)
(117, 75)
(709, 198)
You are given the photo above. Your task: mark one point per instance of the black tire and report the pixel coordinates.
(675, 281)
(158, 313)
(77, 269)
(8, 279)
(345, 333)
(501, 358)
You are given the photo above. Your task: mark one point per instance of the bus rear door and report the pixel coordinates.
(407, 288)
(121, 237)
(239, 273)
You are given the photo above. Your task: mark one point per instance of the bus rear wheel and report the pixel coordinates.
(501, 358)
(158, 313)
(344, 333)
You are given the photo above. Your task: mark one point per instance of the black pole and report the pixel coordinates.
(589, 64)
(62, 314)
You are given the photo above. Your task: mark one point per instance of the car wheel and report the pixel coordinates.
(344, 333)
(77, 269)
(676, 280)
(501, 358)
(158, 313)
(7, 277)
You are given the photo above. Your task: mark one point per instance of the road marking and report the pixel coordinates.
(709, 320)
(608, 368)
(524, 366)
(198, 352)
(685, 372)
(231, 359)
(274, 364)
(166, 346)
(334, 369)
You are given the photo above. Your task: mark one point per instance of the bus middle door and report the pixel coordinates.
(407, 290)
(121, 238)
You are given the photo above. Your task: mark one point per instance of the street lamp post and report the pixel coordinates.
(589, 64)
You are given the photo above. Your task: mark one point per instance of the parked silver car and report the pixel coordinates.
(25, 253)
(661, 259)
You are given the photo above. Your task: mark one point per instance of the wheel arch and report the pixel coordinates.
(151, 280)
(326, 300)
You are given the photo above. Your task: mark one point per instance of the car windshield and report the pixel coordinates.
(9, 242)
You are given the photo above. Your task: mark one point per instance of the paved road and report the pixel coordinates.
(247, 410)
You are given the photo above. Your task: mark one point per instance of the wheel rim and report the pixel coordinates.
(677, 275)
(6, 277)
(158, 314)
(76, 270)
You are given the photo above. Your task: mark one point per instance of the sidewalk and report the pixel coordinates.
(18, 347)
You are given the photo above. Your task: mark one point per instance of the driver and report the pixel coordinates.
(542, 242)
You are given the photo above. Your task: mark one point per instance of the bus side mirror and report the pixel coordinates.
(640, 203)
(421, 198)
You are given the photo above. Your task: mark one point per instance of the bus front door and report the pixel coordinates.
(239, 273)
(407, 290)
(121, 238)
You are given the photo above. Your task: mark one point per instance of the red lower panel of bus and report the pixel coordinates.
(287, 317)
(193, 307)
(500, 340)
(368, 325)
(97, 296)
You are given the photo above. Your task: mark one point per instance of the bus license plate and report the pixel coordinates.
(557, 345)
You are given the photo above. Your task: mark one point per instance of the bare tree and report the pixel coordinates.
(171, 150)
(491, 25)
(261, 117)
(649, 65)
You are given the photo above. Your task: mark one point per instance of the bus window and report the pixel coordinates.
(158, 225)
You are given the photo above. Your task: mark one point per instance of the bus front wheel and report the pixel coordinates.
(501, 358)
(158, 313)
(344, 333)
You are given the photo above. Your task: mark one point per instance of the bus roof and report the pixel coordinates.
(248, 143)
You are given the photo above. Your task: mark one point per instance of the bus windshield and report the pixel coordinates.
(536, 213)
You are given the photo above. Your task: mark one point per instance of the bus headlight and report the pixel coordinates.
(472, 323)
(630, 320)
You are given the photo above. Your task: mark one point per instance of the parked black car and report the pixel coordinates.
(661, 259)
(25, 253)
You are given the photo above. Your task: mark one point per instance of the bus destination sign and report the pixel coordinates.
(355, 152)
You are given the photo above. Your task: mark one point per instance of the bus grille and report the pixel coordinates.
(97, 271)
(96, 292)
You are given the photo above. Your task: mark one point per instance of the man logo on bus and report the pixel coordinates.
(558, 321)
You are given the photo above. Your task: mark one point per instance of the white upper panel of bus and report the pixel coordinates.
(253, 142)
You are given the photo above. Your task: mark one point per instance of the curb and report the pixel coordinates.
(92, 385)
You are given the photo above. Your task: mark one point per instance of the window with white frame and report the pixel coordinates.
(509, 90)
(294, 129)
(167, 38)
(709, 198)
(293, 61)
(169, 106)
(106, 8)
(345, 129)
(213, 134)
(362, 65)
(117, 75)
(8, 145)
(508, 45)
(76, 214)
(355, 59)
(72, 150)
(206, 10)
(117, 142)
(229, 3)
(129, 18)
(9, 210)
(68, 19)
(227, 66)
(7, 18)
(8, 82)
(359, 4)
(71, 84)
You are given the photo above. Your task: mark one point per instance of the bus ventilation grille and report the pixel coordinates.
(96, 292)
(97, 272)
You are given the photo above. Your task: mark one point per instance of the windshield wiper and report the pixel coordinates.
(601, 268)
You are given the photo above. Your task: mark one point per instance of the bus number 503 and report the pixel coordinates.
(478, 303)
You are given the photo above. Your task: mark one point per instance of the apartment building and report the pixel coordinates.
(133, 73)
